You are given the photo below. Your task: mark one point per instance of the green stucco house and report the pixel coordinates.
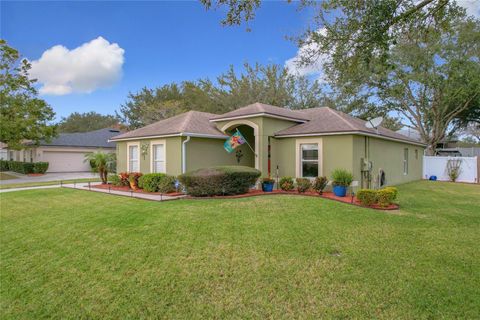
(297, 143)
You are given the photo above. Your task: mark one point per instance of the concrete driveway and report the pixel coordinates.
(48, 177)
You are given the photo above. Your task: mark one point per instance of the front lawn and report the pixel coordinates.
(46, 183)
(78, 254)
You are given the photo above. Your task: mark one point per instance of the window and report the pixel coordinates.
(416, 154)
(405, 161)
(309, 160)
(133, 159)
(158, 158)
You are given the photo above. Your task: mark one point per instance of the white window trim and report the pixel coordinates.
(298, 155)
(131, 144)
(157, 142)
(405, 161)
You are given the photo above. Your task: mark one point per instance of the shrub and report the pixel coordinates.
(157, 182)
(303, 184)
(167, 184)
(221, 180)
(4, 165)
(115, 180)
(367, 197)
(454, 168)
(341, 177)
(319, 184)
(286, 184)
(40, 167)
(393, 190)
(385, 197)
(21, 167)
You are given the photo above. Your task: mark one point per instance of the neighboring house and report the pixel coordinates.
(301, 143)
(3, 151)
(66, 153)
(448, 147)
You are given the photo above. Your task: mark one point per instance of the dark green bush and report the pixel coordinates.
(319, 184)
(222, 180)
(303, 184)
(157, 182)
(367, 197)
(286, 183)
(40, 167)
(4, 165)
(115, 180)
(21, 167)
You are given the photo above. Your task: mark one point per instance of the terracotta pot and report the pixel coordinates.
(133, 185)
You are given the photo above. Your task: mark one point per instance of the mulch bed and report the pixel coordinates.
(127, 189)
(254, 193)
(35, 174)
(325, 195)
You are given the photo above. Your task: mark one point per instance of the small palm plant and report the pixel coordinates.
(102, 163)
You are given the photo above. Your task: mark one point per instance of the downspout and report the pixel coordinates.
(184, 154)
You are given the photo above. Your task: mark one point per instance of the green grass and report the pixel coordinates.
(45, 183)
(77, 254)
(6, 176)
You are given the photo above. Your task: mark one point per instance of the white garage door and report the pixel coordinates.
(65, 161)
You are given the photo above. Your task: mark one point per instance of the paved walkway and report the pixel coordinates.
(29, 188)
(84, 186)
(145, 196)
(22, 178)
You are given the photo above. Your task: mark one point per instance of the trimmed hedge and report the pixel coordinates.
(157, 182)
(367, 197)
(221, 180)
(383, 197)
(24, 167)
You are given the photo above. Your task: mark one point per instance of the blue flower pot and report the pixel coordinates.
(267, 187)
(340, 191)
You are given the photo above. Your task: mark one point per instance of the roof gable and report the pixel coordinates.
(261, 109)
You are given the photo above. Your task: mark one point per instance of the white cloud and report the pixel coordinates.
(472, 7)
(93, 65)
(315, 68)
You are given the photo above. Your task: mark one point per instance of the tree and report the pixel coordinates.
(84, 122)
(352, 33)
(102, 163)
(271, 84)
(430, 79)
(23, 116)
(472, 132)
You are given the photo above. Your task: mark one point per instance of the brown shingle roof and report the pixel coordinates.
(326, 120)
(265, 109)
(195, 122)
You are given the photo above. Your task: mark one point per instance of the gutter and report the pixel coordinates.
(184, 154)
(361, 133)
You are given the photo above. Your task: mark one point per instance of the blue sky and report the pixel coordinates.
(162, 42)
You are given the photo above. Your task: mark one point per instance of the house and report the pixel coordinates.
(282, 142)
(66, 152)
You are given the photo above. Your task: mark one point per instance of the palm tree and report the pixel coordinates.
(101, 162)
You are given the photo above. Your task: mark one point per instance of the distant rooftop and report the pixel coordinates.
(92, 139)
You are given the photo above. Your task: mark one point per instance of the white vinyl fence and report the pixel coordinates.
(437, 166)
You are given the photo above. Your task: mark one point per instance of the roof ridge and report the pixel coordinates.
(186, 120)
(335, 112)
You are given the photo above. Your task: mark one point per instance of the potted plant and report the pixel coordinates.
(341, 179)
(267, 184)
(133, 180)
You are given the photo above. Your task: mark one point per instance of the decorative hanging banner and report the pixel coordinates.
(234, 141)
